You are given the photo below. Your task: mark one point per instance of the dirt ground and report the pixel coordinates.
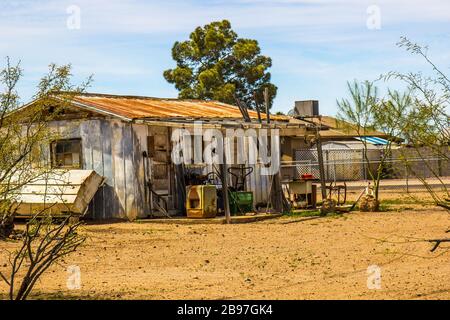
(283, 258)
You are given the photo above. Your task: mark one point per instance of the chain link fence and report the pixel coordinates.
(402, 170)
(340, 165)
(354, 165)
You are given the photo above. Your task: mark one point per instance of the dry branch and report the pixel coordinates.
(43, 244)
(437, 242)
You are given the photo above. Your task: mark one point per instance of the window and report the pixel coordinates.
(66, 153)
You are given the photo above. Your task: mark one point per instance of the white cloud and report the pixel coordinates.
(135, 16)
(325, 42)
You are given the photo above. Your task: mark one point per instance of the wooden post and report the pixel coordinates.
(321, 165)
(224, 174)
(364, 165)
(266, 101)
(276, 192)
(226, 203)
(407, 178)
(180, 187)
(257, 106)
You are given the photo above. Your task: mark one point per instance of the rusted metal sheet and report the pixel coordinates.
(144, 107)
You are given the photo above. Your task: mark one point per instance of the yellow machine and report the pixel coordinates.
(201, 201)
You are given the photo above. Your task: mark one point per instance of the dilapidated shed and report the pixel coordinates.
(128, 141)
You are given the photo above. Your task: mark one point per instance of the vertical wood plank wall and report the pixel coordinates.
(114, 150)
(255, 182)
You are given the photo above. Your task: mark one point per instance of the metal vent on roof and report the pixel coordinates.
(307, 108)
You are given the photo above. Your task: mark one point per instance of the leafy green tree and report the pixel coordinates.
(425, 123)
(366, 113)
(214, 64)
(357, 115)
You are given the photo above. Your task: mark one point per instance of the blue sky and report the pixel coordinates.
(316, 46)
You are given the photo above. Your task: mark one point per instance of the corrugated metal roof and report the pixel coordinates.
(134, 107)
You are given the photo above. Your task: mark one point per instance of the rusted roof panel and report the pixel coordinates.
(145, 107)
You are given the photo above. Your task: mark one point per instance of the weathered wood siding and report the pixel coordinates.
(113, 149)
(256, 182)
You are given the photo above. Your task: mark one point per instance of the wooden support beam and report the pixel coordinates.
(180, 186)
(277, 193)
(278, 201)
(266, 101)
(223, 167)
(321, 164)
(226, 202)
(257, 107)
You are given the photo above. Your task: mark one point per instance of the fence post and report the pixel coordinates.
(327, 177)
(439, 163)
(321, 166)
(425, 171)
(334, 167)
(407, 178)
(364, 164)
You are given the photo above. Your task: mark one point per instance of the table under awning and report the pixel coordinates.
(58, 193)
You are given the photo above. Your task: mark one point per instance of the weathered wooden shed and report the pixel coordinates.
(127, 140)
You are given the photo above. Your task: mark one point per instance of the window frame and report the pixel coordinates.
(53, 153)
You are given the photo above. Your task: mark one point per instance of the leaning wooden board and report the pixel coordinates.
(60, 193)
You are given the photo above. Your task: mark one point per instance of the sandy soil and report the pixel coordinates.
(284, 258)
